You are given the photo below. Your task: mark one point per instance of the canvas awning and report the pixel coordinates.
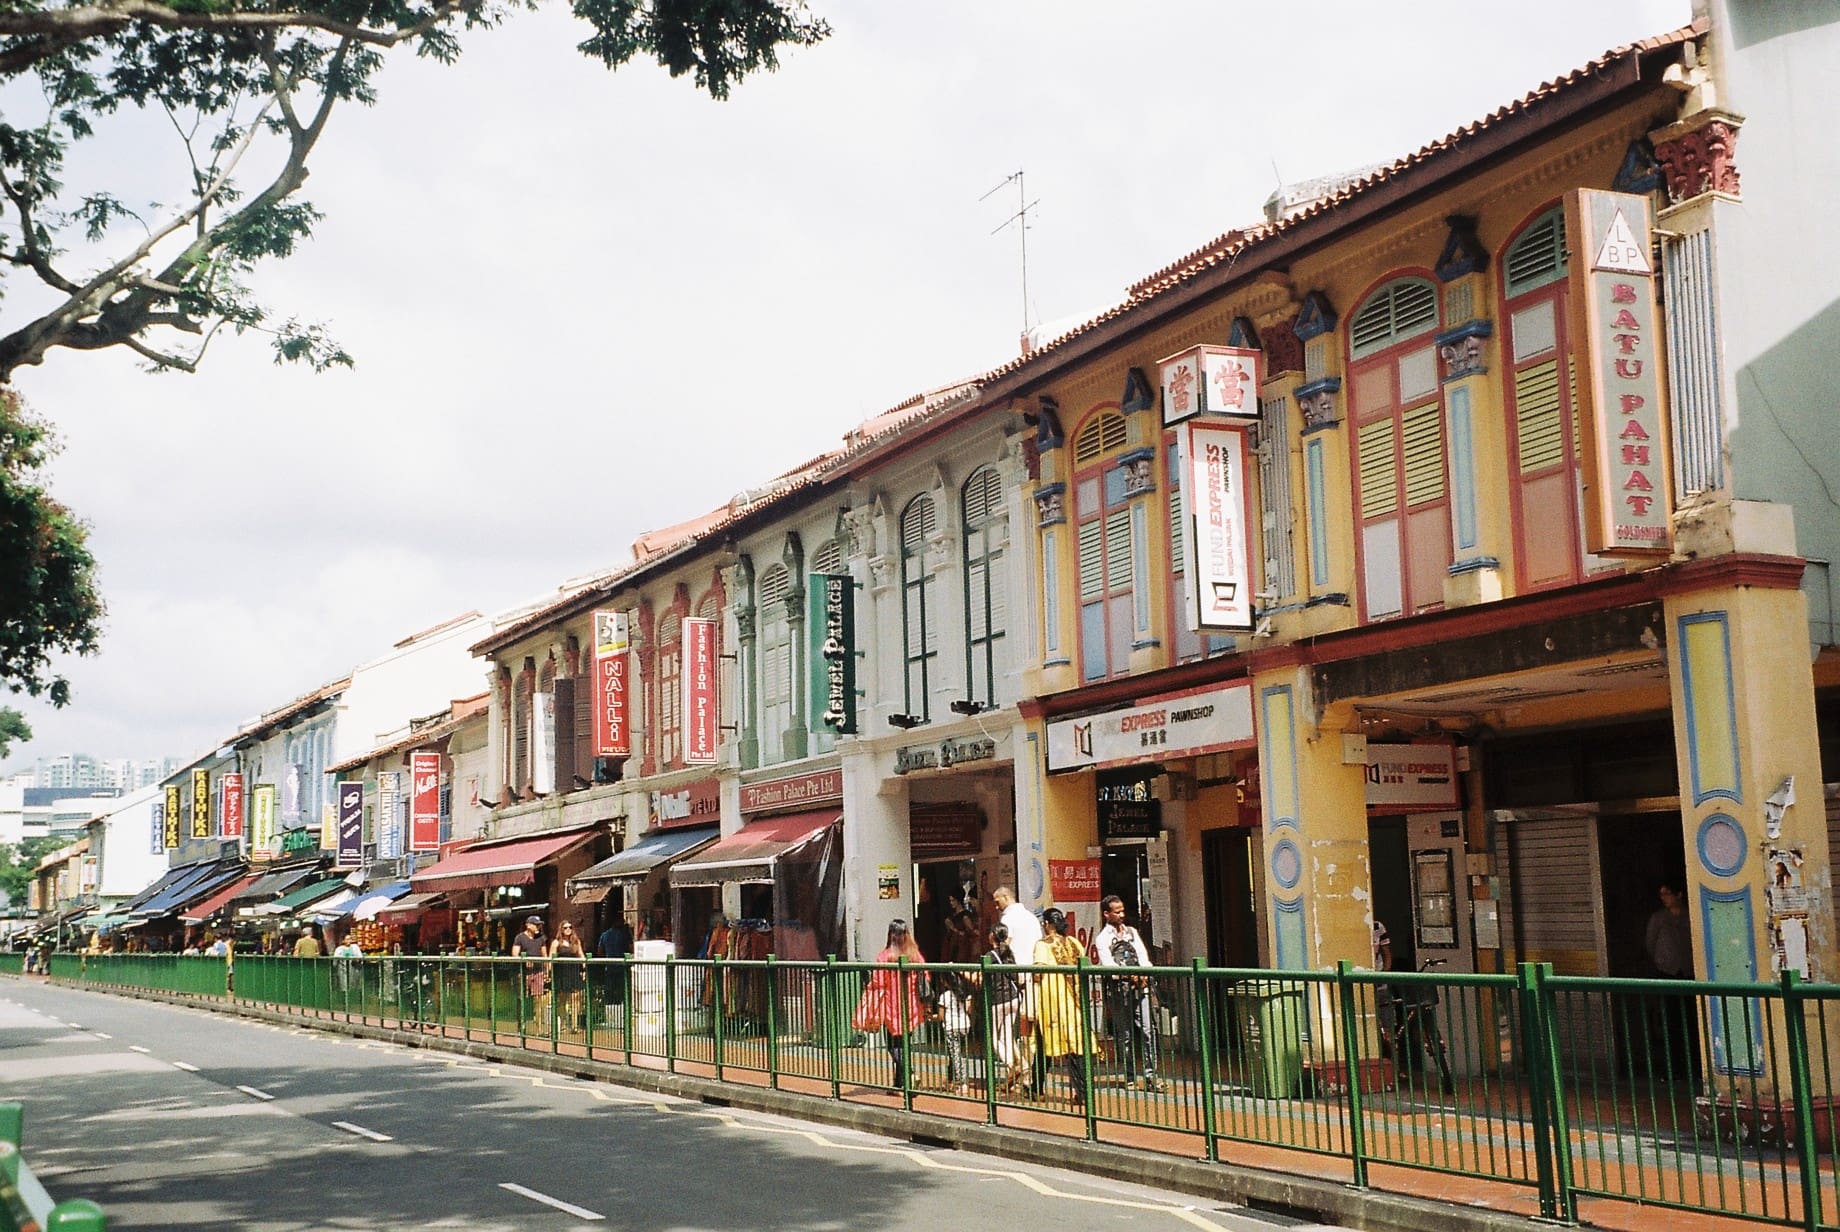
(501, 864)
(280, 881)
(167, 881)
(304, 896)
(368, 905)
(206, 880)
(639, 861)
(217, 902)
(750, 853)
(409, 908)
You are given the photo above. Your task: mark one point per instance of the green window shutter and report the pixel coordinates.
(1379, 469)
(1423, 428)
(1538, 256)
(1537, 422)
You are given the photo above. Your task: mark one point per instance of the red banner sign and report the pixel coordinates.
(612, 665)
(700, 717)
(424, 801)
(230, 816)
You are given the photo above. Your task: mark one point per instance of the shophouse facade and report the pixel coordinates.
(1464, 703)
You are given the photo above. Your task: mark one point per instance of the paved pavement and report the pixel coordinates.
(175, 1117)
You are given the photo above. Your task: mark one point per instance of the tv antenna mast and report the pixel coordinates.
(1021, 221)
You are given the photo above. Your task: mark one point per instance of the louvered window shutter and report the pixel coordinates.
(1538, 425)
(1118, 550)
(1424, 450)
(1379, 470)
(563, 700)
(520, 734)
(828, 559)
(1178, 530)
(1092, 560)
(584, 722)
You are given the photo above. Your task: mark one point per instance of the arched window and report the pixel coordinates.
(986, 599)
(1402, 489)
(919, 639)
(776, 683)
(828, 558)
(1108, 540)
(1543, 442)
(522, 688)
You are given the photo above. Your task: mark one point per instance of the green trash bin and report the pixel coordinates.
(1269, 1014)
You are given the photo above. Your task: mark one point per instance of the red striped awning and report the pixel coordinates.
(500, 864)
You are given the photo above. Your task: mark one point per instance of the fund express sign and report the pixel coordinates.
(1622, 417)
(1181, 725)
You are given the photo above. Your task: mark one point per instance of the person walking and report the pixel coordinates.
(1060, 1027)
(616, 943)
(566, 956)
(890, 1001)
(533, 947)
(309, 944)
(1003, 994)
(1129, 1007)
(1024, 935)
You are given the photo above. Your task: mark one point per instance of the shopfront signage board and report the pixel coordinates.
(1218, 381)
(350, 825)
(1178, 725)
(832, 621)
(1217, 538)
(699, 714)
(230, 814)
(262, 844)
(612, 670)
(794, 794)
(1403, 778)
(424, 801)
(201, 804)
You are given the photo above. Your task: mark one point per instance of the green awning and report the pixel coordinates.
(308, 894)
(103, 923)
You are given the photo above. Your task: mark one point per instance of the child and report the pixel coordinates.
(955, 1011)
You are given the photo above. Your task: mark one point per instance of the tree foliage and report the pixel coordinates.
(18, 861)
(48, 598)
(248, 87)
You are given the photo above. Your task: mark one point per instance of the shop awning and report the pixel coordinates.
(638, 861)
(409, 908)
(750, 853)
(171, 878)
(280, 881)
(205, 880)
(501, 864)
(304, 896)
(368, 905)
(217, 902)
(104, 923)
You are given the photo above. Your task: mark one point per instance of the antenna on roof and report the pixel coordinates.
(1021, 219)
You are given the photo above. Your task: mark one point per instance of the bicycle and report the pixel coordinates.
(1415, 1033)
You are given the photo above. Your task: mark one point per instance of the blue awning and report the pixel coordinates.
(204, 879)
(166, 881)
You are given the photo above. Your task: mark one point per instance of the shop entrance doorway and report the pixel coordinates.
(1232, 928)
(1389, 861)
(1124, 870)
(1636, 852)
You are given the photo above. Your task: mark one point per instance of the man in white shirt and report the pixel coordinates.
(1127, 998)
(1024, 932)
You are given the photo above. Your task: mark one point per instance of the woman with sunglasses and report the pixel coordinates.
(570, 974)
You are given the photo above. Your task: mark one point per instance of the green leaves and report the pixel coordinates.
(48, 598)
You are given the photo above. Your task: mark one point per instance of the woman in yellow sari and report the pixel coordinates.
(1059, 1028)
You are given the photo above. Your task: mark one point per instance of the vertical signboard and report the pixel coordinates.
(424, 801)
(230, 808)
(1217, 505)
(612, 661)
(350, 824)
(170, 833)
(831, 618)
(201, 804)
(158, 828)
(1617, 344)
(292, 778)
(700, 714)
(263, 841)
(389, 801)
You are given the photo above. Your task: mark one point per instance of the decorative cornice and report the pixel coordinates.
(1463, 250)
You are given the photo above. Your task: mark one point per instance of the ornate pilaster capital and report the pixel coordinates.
(1699, 155)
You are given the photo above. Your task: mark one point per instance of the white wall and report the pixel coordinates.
(408, 683)
(126, 861)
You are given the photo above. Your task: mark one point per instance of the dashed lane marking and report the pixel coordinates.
(187, 1066)
(569, 1207)
(102, 1035)
(138, 1048)
(253, 1093)
(362, 1132)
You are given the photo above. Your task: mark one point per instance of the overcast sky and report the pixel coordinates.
(587, 304)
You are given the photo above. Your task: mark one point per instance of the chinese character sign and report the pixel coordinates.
(424, 801)
(831, 617)
(1213, 381)
(350, 824)
(612, 671)
(1217, 502)
(264, 843)
(700, 714)
(230, 813)
(1622, 418)
(201, 804)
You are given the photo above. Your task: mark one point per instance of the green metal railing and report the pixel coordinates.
(1716, 1098)
(12, 962)
(24, 1204)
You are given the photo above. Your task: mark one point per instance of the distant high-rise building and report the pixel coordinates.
(80, 771)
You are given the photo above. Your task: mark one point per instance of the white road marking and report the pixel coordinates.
(74, 1026)
(138, 1048)
(362, 1132)
(187, 1066)
(251, 1091)
(545, 1199)
(102, 1035)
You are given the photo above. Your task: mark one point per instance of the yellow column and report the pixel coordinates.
(1758, 891)
(1315, 814)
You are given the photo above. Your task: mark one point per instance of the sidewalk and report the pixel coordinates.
(1315, 1187)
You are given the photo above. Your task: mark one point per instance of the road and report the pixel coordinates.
(179, 1118)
